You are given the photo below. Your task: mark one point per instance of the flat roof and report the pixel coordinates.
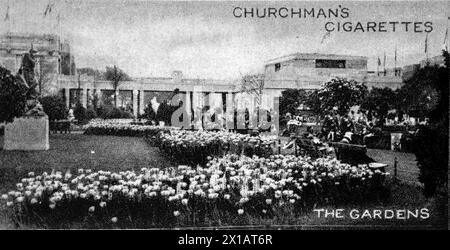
(309, 56)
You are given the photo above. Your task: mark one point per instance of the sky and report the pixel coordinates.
(205, 40)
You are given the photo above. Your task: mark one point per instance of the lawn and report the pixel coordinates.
(75, 151)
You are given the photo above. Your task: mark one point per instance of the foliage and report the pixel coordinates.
(54, 106)
(228, 186)
(341, 93)
(432, 141)
(291, 99)
(90, 113)
(12, 96)
(164, 113)
(80, 113)
(116, 76)
(97, 74)
(115, 113)
(379, 101)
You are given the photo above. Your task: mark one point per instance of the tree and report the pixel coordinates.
(379, 101)
(97, 74)
(341, 93)
(253, 85)
(291, 99)
(431, 142)
(54, 106)
(13, 96)
(116, 76)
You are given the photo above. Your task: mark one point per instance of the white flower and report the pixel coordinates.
(114, 219)
(33, 201)
(268, 201)
(227, 196)
(176, 213)
(19, 199)
(240, 211)
(184, 201)
(4, 196)
(91, 209)
(9, 203)
(102, 204)
(52, 206)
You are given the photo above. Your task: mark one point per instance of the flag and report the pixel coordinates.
(444, 46)
(48, 9)
(426, 44)
(7, 14)
(325, 36)
(395, 55)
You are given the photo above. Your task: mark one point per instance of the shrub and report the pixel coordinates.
(431, 150)
(80, 113)
(91, 114)
(12, 96)
(116, 113)
(54, 106)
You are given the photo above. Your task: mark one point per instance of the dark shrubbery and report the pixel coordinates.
(54, 106)
(114, 113)
(90, 114)
(12, 96)
(431, 143)
(80, 113)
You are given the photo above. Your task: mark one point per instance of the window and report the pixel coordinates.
(277, 67)
(339, 64)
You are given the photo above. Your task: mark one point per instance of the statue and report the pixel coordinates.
(27, 78)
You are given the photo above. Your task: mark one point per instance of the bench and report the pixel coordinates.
(353, 154)
(60, 126)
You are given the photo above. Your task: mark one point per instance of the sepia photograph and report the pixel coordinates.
(224, 115)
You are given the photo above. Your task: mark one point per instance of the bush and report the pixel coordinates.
(12, 96)
(91, 114)
(54, 106)
(116, 113)
(431, 150)
(80, 113)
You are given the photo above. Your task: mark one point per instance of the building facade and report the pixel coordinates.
(310, 70)
(53, 58)
(56, 69)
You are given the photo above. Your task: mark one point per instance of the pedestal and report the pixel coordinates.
(27, 133)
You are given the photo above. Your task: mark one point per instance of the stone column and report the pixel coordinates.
(135, 102)
(230, 110)
(117, 98)
(98, 92)
(141, 102)
(67, 96)
(84, 97)
(188, 107)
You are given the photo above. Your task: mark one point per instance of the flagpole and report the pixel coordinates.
(395, 61)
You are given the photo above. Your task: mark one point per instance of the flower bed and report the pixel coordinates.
(229, 188)
(118, 127)
(194, 147)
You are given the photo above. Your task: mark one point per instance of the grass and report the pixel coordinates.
(75, 151)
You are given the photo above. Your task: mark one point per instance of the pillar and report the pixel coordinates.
(188, 105)
(117, 103)
(67, 96)
(84, 97)
(141, 102)
(135, 102)
(99, 94)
